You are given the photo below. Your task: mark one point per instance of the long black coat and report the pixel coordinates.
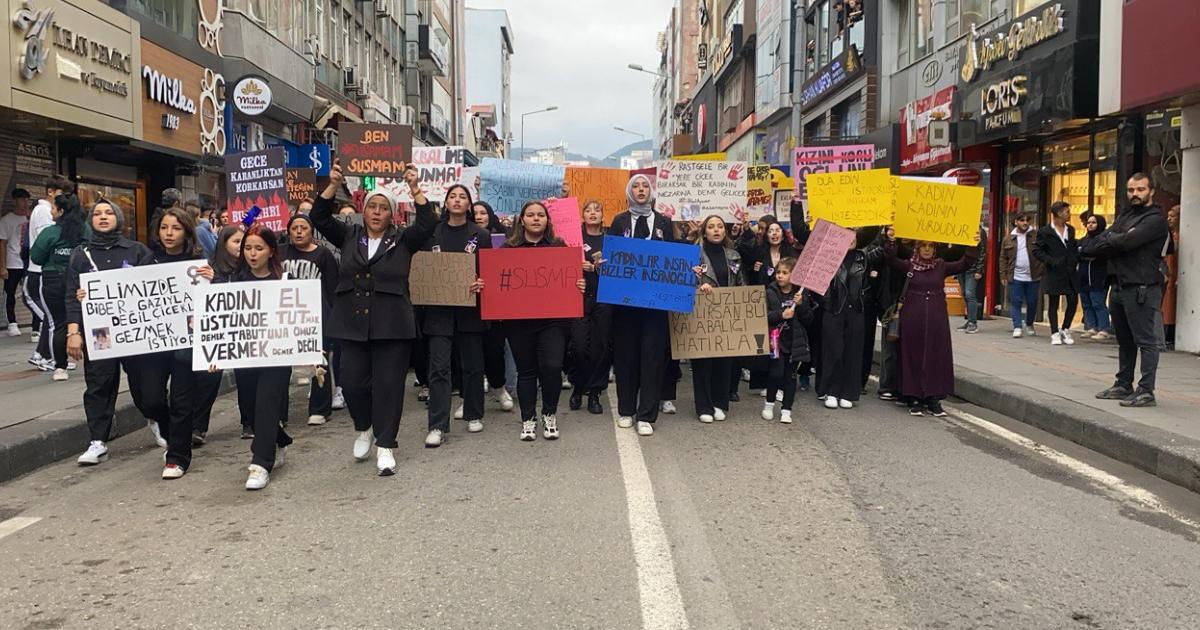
(371, 300)
(1059, 259)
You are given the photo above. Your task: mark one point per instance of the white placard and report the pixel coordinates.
(258, 324)
(439, 169)
(138, 310)
(690, 191)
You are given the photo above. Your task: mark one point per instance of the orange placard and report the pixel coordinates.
(606, 185)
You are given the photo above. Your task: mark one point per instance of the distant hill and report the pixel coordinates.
(613, 160)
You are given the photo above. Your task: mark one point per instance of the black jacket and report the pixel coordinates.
(851, 286)
(372, 295)
(793, 334)
(444, 321)
(1093, 272)
(125, 253)
(1059, 260)
(1133, 246)
(661, 230)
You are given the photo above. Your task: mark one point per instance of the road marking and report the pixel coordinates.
(16, 524)
(658, 586)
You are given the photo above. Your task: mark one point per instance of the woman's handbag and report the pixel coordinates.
(891, 317)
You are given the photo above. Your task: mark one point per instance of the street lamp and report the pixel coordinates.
(548, 109)
(636, 133)
(639, 68)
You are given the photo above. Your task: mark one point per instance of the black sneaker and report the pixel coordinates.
(734, 397)
(935, 409)
(965, 326)
(972, 328)
(884, 395)
(247, 433)
(576, 400)
(593, 404)
(198, 438)
(916, 409)
(1116, 392)
(1140, 398)
(805, 383)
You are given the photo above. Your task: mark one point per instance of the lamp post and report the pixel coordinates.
(639, 68)
(539, 111)
(636, 133)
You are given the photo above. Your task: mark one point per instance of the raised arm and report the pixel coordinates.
(889, 257)
(321, 214)
(416, 235)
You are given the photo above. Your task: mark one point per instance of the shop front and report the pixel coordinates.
(704, 117)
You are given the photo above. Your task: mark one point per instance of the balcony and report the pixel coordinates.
(435, 50)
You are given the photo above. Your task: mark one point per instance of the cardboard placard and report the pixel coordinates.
(648, 274)
(851, 199)
(508, 184)
(301, 184)
(442, 279)
(605, 185)
(138, 310)
(374, 150)
(850, 157)
(759, 197)
(438, 167)
(531, 282)
(729, 322)
(257, 178)
(942, 213)
(692, 190)
(822, 255)
(565, 217)
(257, 324)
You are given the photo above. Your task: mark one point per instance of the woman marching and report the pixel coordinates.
(591, 339)
(788, 313)
(843, 318)
(224, 263)
(720, 266)
(456, 327)
(641, 336)
(372, 314)
(305, 259)
(495, 363)
(106, 248)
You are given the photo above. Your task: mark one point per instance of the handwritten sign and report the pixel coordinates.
(301, 184)
(439, 169)
(470, 179)
(783, 203)
(806, 160)
(729, 322)
(138, 310)
(648, 274)
(690, 191)
(565, 217)
(852, 198)
(531, 282)
(258, 179)
(759, 197)
(257, 324)
(508, 184)
(933, 211)
(824, 253)
(373, 150)
(442, 279)
(606, 185)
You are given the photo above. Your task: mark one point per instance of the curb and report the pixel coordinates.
(62, 434)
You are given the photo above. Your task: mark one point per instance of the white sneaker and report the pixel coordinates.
(779, 396)
(1101, 336)
(14, 330)
(566, 383)
(831, 402)
(158, 438)
(625, 422)
(339, 401)
(71, 365)
(528, 430)
(95, 453)
(1056, 339)
(1067, 338)
(317, 419)
(172, 471)
(41, 363)
(668, 407)
(1030, 331)
(35, 336)
(705, 418)
(645, 428)
(745, 375)
(474, 426)
(303, 380)
(362, 445)
(458, 413)
(845, 404)
(385, 463)
(1016, 333)
(502, 396)
(762, 393)
(785, 416)
(258, 479)
(60, 375)
(768, 412)
(719, 415)
(434, 438)
(550, 427)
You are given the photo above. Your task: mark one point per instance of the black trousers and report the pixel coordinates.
(889, 365)
(268, 388)
(640, 350)
(11, 283)
(102, 381)
(591, 348)
(33, 300)
(781, 375)
(672, 374)
(1072, 300)
(839, 373)
(538, 349)
(320, 396)
(493, 357)
(169, 386)
(208, 385)
(710, 384)
(1136, 313)
(470, 349)
(373, 375)
(53, 297)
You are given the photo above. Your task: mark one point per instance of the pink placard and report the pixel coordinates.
(822, 255)
(565, 217)
(847, 157)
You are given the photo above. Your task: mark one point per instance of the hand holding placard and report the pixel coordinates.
(942, 213)
(822, 255)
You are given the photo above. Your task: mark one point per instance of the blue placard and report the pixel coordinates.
(648, 274)
(314, 156)
(508, 184)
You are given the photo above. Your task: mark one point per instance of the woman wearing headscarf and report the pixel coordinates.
(641, 336)
(1093, 284)
(372, 314)
(106, 248)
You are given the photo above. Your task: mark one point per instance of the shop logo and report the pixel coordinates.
(931, 73)
(167, 91)
(252, 95)
(1000, 103)
(980, 55)
(34, 25)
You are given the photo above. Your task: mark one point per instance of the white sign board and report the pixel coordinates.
(258, 324)
(692, 190)
(439, 169)
(138, 310)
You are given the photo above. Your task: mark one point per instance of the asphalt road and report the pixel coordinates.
(866, 518)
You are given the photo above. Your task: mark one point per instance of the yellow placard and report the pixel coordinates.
(759, 195)
(701, 157)
(942, 213)
(851, 198)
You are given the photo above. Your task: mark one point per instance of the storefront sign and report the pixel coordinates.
(730, 48)
(1027, 32)
(704, 118)
(1000, 102)
(173, 91)
(314, 156)
(839, 72)
(915, 152)
(34, 158)
(252, 95)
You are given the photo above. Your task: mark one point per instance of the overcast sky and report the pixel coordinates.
(573, 54)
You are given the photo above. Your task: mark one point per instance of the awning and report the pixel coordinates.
(332, 109)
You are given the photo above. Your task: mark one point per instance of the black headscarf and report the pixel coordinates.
(106, 240)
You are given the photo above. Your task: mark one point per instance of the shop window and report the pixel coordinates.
(1163, 157)
(916, 30)
(179, 17)
(1069, 163)
(1023, 185)
(1105, 188)
(848, 115)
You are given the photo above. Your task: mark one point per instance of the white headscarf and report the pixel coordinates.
(635, 208)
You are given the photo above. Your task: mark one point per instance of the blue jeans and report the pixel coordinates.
(1095, 309)
(970, 291)
(1022, 294)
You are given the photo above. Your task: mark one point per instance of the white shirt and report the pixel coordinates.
(41, 218)
(373, 246)
(10, 233)
(1021, 270)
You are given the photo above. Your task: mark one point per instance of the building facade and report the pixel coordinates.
(489, 50)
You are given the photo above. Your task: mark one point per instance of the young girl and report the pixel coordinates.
(304, 259)
(496, 359)
(591, 350)
(221, 268)
(787, 315)
(720, 266)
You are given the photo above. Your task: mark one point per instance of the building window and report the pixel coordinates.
(962, 14)
(179, 17)
(848, 115)
(916, 29)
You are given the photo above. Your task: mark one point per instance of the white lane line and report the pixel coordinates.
(658, 586)
(16, 524)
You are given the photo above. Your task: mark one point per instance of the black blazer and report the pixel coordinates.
(371, 300)
(662, 230)
(444, 321)
(1060, 260)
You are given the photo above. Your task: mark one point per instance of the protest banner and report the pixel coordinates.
(439, 169)
(138, 310)
(257, 324)
(759, 197)
(470, 179)
(648, 274)
(301, 184)
(933, 211)
(258, 179)
(508, 184)
(852, 198)
(806, 160)
(729, 322)
(565, 217)
(783, 204)
(606, 185)
(822, 255)
(442, 279)
(531, 282)
(690, 191)
(374, 150)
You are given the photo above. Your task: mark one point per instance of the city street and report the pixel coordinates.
(867, 518)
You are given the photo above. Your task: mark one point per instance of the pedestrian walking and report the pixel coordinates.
(843, 318)
(720, 266)
(969, 281)
(1020, 273)
(13, 227)
(498, 367)
(223, 265)
(52, 252)
(1057, 249)
(1093, 284)
(761, 254)
(787, 311)
(40, 218)
(304, 259)
(591, 335)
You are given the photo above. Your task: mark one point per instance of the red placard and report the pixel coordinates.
(531, 282)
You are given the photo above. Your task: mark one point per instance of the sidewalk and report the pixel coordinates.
(1054, 387)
